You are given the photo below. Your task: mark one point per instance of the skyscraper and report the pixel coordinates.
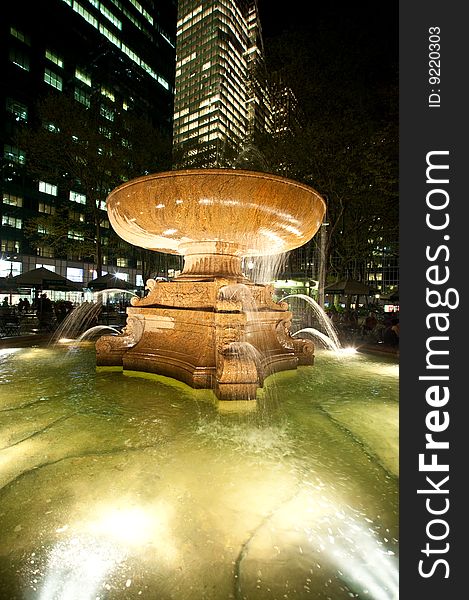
(118, 55)
(220, 98)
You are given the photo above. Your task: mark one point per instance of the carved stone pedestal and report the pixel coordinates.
(218, 334)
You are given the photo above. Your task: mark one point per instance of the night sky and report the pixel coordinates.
(364, 30)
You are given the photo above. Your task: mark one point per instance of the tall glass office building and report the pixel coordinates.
(117, 54)
(220, 99)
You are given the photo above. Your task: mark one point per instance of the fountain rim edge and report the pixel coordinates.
(242, 172)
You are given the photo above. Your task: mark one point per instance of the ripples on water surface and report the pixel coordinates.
(119, 487)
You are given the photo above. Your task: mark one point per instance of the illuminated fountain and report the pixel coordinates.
(120, 488)
(191, 329)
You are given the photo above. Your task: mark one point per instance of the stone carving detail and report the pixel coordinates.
(282, 330)
(239, 371)
(134, 329)
(112, 345)
(304, 351)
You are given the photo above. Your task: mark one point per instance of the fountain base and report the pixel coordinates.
(215, 334)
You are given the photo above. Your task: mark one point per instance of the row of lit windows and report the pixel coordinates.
(53, 79)
(226, 111)
(19, 35)
(55, 58)
(77, 7)
(191, 19)
(51, 189)
(48, 188)
(20, 59)
(10, 245)
(46, 208)
(132, 19)
(110, 16)
(12, 200)
(75, 235)
(11, 221)
(187, 59)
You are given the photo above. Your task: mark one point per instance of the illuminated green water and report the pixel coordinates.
(125, 487)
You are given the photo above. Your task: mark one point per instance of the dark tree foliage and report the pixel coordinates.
(344, 77)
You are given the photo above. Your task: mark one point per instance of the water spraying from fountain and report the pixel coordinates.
(83, 318)
(325, 339)
(333, 341)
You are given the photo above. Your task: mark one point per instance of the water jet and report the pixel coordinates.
(190, 328)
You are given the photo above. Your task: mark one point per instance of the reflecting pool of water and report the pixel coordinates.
(120, 487)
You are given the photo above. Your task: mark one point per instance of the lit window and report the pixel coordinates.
(49, 267)
(53, 79)
(75, 274)
(73, 234)
(131, 54)
(54, 58)
(142, 11)
(122, 262)
(9, 246)
(44, 207)
(10, 268)
(48, 188)
(12, 200)
(83, 77)
(108, 93)
(42, 229)
(12, 221)
(45, 252)
(19, 110)
(19, 35)
(139, 280)
(108, 14)
(85, 14)
(77, 197)
(109, 35)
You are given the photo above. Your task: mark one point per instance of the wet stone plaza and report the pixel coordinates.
(118, 486)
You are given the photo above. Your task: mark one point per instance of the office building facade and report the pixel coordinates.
(220, 99)
(116, 54)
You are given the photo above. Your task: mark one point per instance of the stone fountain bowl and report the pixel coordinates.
(215, 211)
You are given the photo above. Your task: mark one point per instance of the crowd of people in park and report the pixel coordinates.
(369, 326)
(49, 314)
(45, 315)
(375, 327)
